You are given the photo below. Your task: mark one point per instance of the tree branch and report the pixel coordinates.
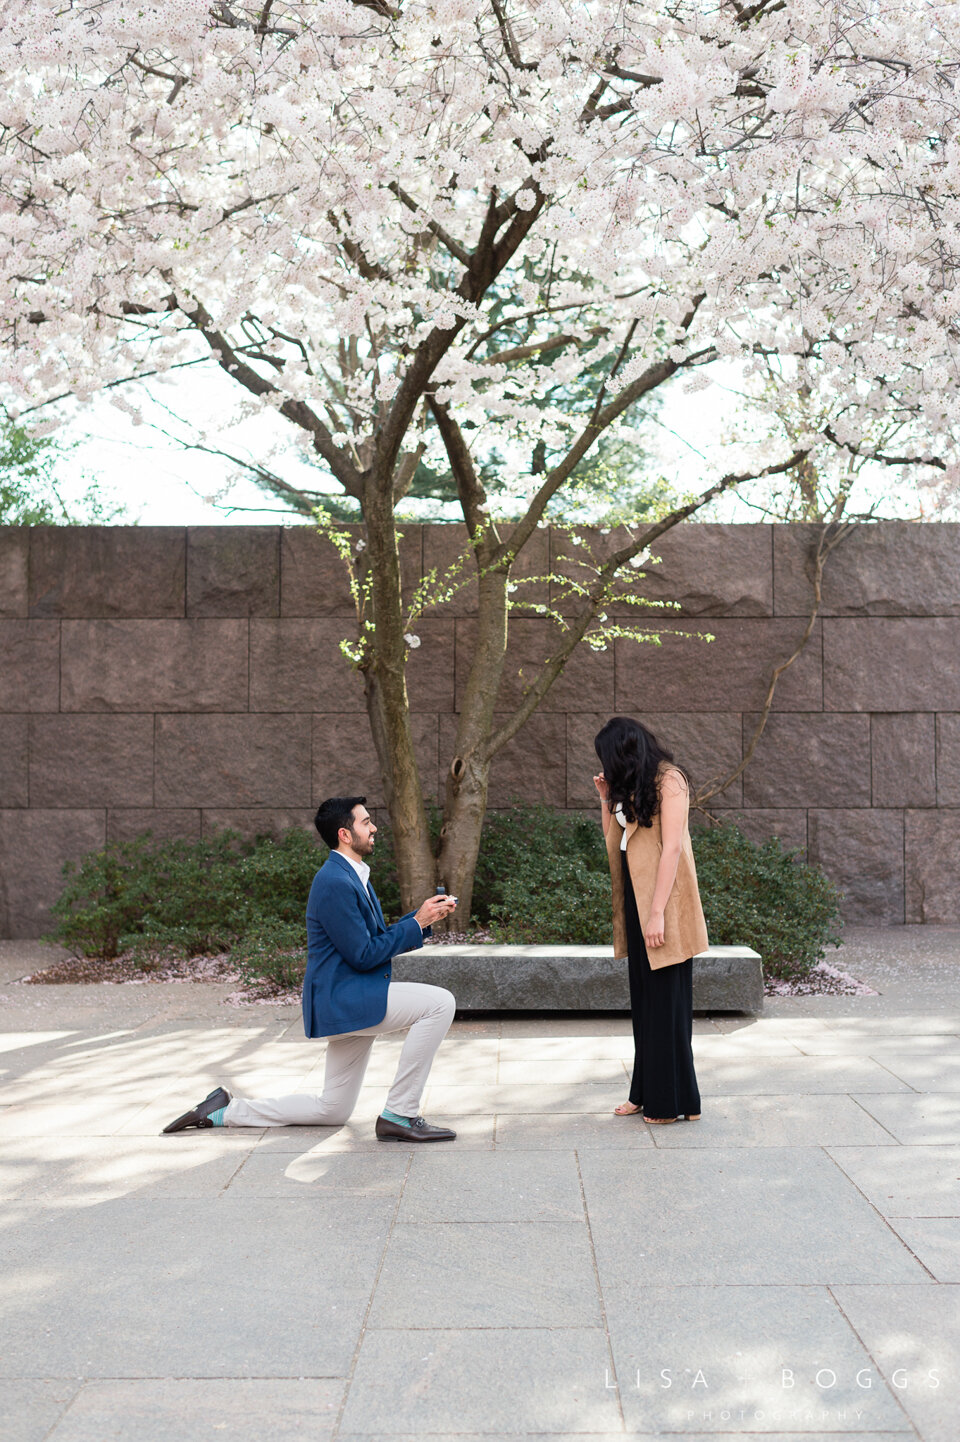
(470, 491)
(598, 596)
(304, 503)
(542, 310)
(509, 41)
(111, 385)
(935, 461)
(299, 412)
(485, 263)
(222, 12)
(177, 82)
(538, 347)
(369, 270)
(433, 226)
(652, 377)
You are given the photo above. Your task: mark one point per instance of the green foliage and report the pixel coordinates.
(29, 492)
(274, 952)
(188, 897)
(764, 896)
(542, 877)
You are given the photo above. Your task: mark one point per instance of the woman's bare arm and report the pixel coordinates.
(673, 815)
(603, 788)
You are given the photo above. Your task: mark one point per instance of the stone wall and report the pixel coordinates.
(182, 680)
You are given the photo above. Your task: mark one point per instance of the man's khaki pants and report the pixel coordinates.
(426, 1010)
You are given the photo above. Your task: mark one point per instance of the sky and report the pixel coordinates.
(159, 482)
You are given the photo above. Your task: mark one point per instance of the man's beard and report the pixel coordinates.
(362, 848)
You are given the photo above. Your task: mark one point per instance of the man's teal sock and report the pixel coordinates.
(216, 1118)
(393, 1117)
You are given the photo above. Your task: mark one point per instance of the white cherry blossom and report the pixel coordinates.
(347, 205)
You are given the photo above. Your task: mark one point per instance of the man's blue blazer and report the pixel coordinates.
(349, 947)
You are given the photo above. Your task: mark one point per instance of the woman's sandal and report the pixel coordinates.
(627, 1109)
(663, 1121)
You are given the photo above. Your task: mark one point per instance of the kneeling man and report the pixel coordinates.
(349, 998)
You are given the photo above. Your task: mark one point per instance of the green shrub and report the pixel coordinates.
(542, 877)
(102, 897)
(274, 952)
(276, 876)
(764, 896)
(187, 897)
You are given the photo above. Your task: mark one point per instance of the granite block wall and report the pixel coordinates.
(180, 680)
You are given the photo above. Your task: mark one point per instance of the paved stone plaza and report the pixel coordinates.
(791, 1263)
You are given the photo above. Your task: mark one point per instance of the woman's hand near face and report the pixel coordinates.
(602, 785)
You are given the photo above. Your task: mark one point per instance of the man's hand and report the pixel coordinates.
(435, 908)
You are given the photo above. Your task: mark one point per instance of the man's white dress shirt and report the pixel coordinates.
(363, 871)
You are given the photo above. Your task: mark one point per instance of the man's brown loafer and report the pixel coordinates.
(419, 1130)
(197, 1117)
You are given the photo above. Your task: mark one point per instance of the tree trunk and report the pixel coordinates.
(468, 778)
(388, 706)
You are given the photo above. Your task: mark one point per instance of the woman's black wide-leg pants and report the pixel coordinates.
(664, 1081)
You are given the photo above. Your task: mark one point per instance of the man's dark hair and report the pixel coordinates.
(333, 813)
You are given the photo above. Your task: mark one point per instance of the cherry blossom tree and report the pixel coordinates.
(413, 228)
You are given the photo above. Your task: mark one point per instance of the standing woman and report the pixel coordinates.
(657, 917)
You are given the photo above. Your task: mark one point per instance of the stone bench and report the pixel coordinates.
(572, 978)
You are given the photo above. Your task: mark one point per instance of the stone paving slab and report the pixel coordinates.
(31, 1406)
(23, 1045)
(150, 1083)
(92, 1170)
(474, 1133)
(906, 1181)
(184, 1410)
(800, 1076)
(554, 1071)
(713, 1215)
(938, 1071)
(187, 1288)
(553, 1099)
(852, 1043)
(935, 1242)
(686, 1359)
(493, 1274)
(777, 1121)
(935, 1022)
(505, 1187)
(584, 1132)
(66, 1115)
(516, 1046)
(931, 1118)
(322, 1174)
(913, 1334)
(489, 1379)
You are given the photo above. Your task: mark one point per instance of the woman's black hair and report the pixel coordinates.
(630, 756)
